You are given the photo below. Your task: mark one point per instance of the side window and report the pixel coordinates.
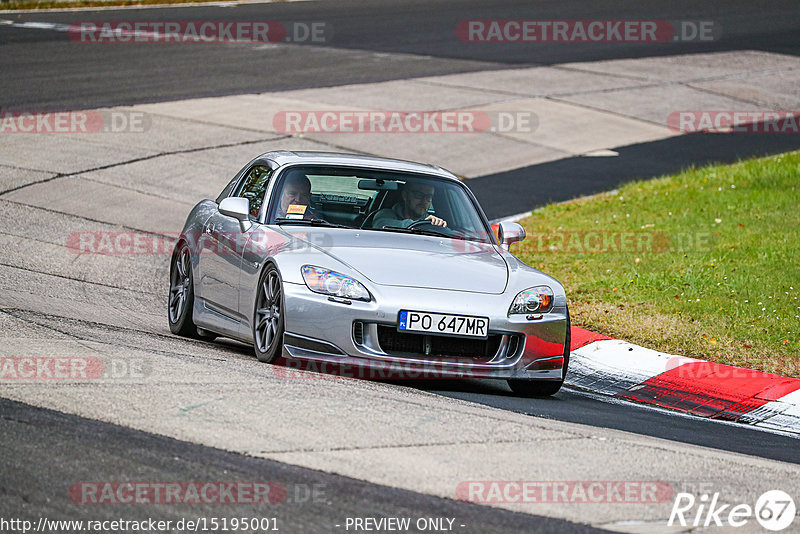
(254, 186)
(228, 188)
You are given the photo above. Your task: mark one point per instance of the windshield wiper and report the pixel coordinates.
(419, 231)
(309, 222)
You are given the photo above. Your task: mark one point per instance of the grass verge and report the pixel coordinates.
(705, 263)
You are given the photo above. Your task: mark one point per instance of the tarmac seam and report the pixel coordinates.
(417, 445)
(610, 112)
(65, 277)
(50, 243)
(139, 191)
(667, 84)
(89, 219)
(20, 313)
(201, 122)
(543, 95)
(717, 93)
(137, 160)
(9, 312)
(17, 167)
(719, 77)
(444, 84)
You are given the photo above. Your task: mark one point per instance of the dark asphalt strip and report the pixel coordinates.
(47, 71)
(575, 406)
(45, 453)
(430, 27)
(520, 190)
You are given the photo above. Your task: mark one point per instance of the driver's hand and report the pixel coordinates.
(436, 221)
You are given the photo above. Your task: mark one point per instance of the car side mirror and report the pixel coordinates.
(238, 208)
(510, 233)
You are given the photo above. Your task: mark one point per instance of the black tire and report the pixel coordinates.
(181, 293)
(544, 388)
(268, 316)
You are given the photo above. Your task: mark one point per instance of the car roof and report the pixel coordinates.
(285, 157)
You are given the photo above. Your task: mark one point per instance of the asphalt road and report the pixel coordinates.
(577, 406)
(366, 41)
(56, 451)
(371, 41)
(517, 191)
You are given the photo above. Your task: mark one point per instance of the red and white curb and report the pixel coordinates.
(626, 371)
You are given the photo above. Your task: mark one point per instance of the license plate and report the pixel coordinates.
(443, 324)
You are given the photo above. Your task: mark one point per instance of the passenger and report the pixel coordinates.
(417, 198)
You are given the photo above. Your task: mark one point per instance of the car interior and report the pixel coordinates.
(340, 197)
(357, 210)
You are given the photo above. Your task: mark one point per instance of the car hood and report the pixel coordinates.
(395, 259)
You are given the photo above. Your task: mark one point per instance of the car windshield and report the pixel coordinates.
(382, 201)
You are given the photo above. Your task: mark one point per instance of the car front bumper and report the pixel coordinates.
(321, 330)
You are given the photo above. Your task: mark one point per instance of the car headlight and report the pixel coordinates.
(329, 282)
(537, 299)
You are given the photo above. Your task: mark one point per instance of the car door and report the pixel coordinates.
(222, 247)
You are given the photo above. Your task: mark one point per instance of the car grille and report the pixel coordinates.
(358, 332)
(406, 344)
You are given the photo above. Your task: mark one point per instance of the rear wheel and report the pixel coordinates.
(543, 388)
(268, 316)
(181, 294)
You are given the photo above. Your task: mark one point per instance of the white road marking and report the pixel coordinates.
(233, 3)
(41, 26)
(603, 153)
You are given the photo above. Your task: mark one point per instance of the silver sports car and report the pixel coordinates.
(374, 264)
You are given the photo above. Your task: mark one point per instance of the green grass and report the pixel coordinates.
(712, 270)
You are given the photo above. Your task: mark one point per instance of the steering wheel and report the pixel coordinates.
(423, 222)
(443, 230)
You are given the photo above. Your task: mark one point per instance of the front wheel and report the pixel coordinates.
(268, 316)
(181, 294)
(544, 388)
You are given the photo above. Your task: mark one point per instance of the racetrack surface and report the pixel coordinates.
(577, 406)
(509, 192)
(369, 41)
(70, 450)
(381, 448)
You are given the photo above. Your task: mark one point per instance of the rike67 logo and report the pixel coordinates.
(774, 510)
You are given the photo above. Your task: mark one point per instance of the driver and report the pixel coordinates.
(295, 198)
(417, 198)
